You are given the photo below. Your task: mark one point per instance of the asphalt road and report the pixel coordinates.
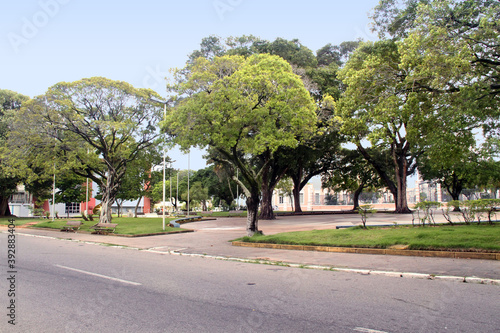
(64, 286)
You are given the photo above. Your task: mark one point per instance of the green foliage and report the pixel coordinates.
(93, 127)
(379, 107)
(292, 51)
(395, 18)
(351, 172)
(10, 103)
(364, 211)
(473, 209)
(285, 187)
(198, 193)
(426, 207)
(221, 188)
(251, 103)
(241, 108)
(456, 45)
(71, 188)
(140, 177)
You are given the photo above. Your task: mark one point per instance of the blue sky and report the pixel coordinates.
(44, 42)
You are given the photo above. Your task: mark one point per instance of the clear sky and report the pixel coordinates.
(44, 42)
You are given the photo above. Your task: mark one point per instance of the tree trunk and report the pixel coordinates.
(454, 189)
(4, 207)
(401, 181)
(137, 207)
(296, 197)
(357, 193)
(108, 198)
(266, 208)
(296, 179)
(252, 211)
(119, 207)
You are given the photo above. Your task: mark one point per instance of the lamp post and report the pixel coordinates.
(87, 194)
(54, 194)
(177, 194)
(189, 155)
(170, 175)
(164, 157)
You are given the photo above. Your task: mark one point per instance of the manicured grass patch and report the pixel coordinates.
(228, 214)
(19, 220)
(126, 225)
(459, 237)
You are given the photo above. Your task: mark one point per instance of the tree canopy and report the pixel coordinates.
(10, 103)
(242, 108)
(95, 127)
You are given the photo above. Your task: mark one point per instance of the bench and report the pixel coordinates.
(104, 228)
(72, 226)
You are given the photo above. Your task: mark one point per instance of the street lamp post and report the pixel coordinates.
(237, 191)
(170, 199)
(177, 194)
(164, 158)
(189, 155)
(54, 195)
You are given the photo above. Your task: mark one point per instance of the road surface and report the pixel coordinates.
(64, 286)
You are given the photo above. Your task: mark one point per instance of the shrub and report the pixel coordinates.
(426, 208)
(364, 211)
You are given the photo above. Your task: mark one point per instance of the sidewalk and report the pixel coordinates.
(211, 238)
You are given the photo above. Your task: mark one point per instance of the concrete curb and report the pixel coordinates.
(461, 279)
(396, 252)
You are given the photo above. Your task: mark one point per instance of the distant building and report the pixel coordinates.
(22, 204)
(315, 198)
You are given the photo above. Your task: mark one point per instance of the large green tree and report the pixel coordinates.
(454, 53)
(10, 103)
(242, 108)
(395, 18)
(221, 188)
(379, 107)
(95, 127)
(140, 177)
(354, 174)
(319, 74)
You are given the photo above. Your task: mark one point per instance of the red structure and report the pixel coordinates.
(91, 205)
(147, 205)
(46, 206)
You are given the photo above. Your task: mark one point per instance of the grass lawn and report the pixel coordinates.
(226, 214)
(19, 220)
(126, 225)
(442, 237)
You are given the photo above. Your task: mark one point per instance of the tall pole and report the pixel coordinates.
(87, 195)
(189, 154)
(54, 195)
(164, 153)
(177, 195)
(170, 198)
(164, 156)
(87, 199)
(237, 191)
